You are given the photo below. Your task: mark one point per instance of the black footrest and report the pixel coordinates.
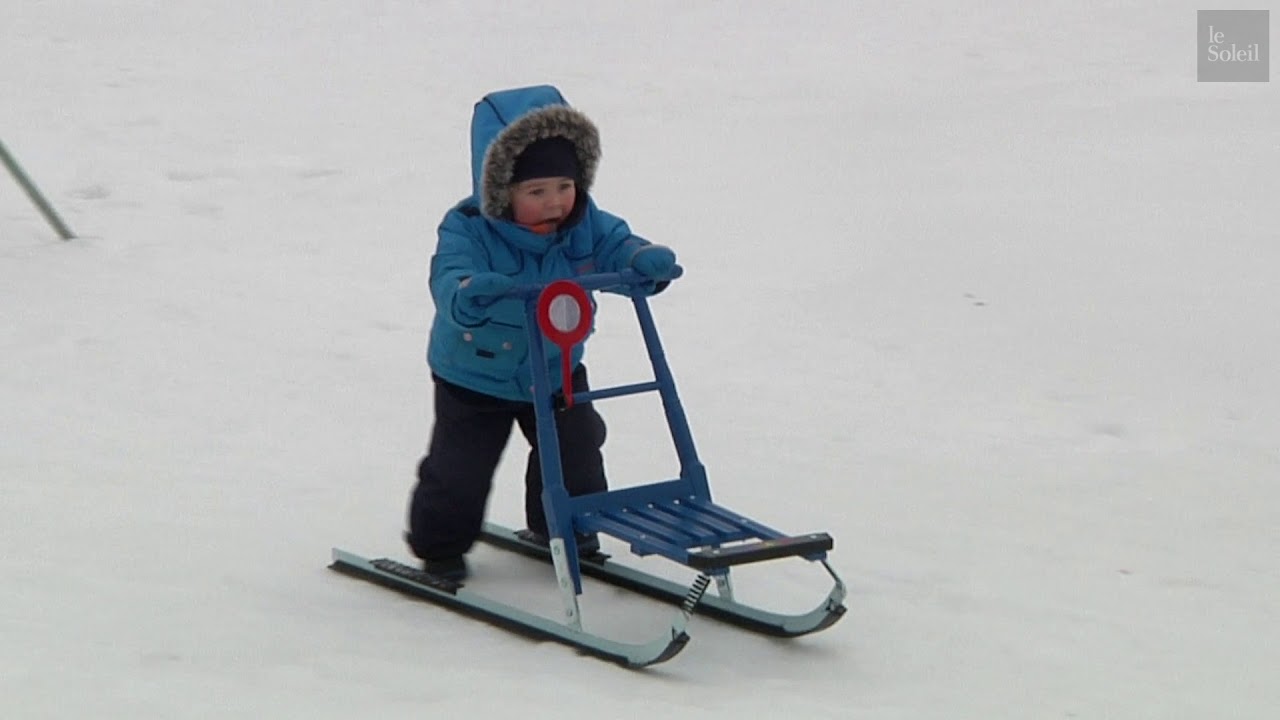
(713, 558)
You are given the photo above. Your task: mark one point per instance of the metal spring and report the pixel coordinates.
(696, 591)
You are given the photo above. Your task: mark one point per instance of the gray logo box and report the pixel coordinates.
(1233, 46)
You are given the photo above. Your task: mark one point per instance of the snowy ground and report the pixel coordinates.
(986, 292)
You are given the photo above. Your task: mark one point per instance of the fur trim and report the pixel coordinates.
(500, 156)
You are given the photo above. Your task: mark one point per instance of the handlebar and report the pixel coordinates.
(595, 281)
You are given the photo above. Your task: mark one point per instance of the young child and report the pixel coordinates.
(528, 220)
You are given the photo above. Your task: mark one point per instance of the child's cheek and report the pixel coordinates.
(523, 212)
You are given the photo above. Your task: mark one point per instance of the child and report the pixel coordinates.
(529, 220)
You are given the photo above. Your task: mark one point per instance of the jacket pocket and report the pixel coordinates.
(493, 350)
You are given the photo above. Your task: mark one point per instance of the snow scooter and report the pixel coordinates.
(675, 519)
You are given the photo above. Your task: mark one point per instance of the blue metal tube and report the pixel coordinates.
(554, 494)
(615, 392)
(691, 468)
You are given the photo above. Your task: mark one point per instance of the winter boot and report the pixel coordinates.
(450, 568)
(588, 545)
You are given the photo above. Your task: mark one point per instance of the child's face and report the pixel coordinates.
(542, 201)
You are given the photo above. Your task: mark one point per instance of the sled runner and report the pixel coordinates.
(675, 519)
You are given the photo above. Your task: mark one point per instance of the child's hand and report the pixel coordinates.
(483, 288)
(654, 261)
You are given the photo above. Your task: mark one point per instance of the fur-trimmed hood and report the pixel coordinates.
(506, 122)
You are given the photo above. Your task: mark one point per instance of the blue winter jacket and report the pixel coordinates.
(489, 352)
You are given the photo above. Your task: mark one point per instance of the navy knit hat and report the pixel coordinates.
(549, 157)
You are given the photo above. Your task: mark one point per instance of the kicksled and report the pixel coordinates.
(675, 519)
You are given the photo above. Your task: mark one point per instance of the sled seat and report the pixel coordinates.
(664, 519)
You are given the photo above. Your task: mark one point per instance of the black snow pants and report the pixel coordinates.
(470, 433)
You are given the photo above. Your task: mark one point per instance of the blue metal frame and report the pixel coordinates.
(667, 518)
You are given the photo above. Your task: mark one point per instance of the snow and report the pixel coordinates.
(985, 291)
